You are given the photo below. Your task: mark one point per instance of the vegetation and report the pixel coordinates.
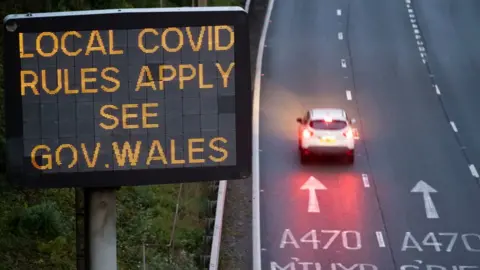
(37, 227)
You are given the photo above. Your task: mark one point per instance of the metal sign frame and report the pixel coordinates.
(123, 19)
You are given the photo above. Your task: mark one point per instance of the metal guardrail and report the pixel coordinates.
(215, 209)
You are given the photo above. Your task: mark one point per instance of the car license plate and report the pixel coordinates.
(328, 139)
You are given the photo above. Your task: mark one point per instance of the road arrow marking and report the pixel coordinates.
(426, 189)
(312, 185)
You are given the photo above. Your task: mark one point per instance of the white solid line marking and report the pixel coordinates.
(344, 63)
(256, 232)
(473, 170)
(217, 230)
(349, 95)
(340, 35)
(437, 90)
(365, 180)
(381, 242)
(339, 12)
(454, 127)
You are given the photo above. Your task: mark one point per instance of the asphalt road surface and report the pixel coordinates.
(411, 72)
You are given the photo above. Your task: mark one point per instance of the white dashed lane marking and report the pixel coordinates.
(340, 35)
(339, 12)
(423, 55)
(366, 183)
(473, 170)
(381, 242)
(349, 95)
(344, 63)
(454, 127)
(416, 31)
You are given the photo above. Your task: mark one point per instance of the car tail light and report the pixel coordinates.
(351, 133)
(348, 133)
(356, 136)
(307, 133)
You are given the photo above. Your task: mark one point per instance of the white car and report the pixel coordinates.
(326, 131)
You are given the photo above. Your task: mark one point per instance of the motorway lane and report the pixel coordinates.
(451, 33)
(409, 138)
(302, 69)
(402, 125)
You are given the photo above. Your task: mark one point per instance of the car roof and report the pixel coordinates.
(335, 114)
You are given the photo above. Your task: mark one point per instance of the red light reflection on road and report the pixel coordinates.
(351, 204)
(342, 204)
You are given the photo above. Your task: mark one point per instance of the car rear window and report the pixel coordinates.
(334, 125)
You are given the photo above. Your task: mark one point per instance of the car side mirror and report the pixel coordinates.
(353, 121)
(299, 120)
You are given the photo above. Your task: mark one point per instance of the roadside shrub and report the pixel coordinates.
(43, 221)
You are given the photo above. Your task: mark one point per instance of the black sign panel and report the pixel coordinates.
(127, 97)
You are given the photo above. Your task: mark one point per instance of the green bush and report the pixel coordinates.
(43, 221)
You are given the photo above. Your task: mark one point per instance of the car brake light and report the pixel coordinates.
(348, 133)
(351, 133)
(355, 134)
(307, 133)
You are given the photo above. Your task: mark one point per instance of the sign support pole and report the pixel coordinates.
(101, 219)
